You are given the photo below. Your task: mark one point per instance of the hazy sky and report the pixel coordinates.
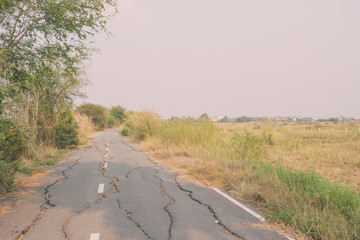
(231, 57)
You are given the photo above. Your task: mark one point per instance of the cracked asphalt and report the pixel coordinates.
(141, 200)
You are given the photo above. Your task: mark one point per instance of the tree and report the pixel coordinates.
(35, 33)
(66, 130)
(204, 116)
(97, 113)
(118, 113)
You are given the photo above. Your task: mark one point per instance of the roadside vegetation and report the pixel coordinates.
(43, 45)
(299, 175)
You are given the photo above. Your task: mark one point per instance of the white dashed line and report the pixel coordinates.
(107, 149)
(101, 188)
(239, 204)
(105, 165)
(95, 236)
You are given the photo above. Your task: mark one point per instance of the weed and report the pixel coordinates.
(276, 170)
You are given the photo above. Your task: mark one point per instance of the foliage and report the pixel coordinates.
(244, 119)
(66, 130)
(12, 141)
(97, 113)
(204, 116)
(224, 119)
(248, 146)
(124, 132)
(12, 145)
(36, 32)
(43, 44)
(118, 113)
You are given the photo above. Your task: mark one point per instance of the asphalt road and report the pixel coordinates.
(110, 190)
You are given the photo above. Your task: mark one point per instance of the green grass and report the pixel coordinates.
(237, 158)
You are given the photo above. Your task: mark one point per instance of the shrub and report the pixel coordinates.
(125, 132)
(12, 146)
(118, 113)
(66, 130)
(97, 113)
(110, 122)
(248, 146)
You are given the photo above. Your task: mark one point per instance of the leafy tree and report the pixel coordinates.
(97, 113)
(224, 119)
(243, 119)
(204, 116)
(35, 33)
(66, 130)
(118, 113)
(12, 145)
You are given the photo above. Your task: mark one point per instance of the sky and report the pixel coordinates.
(231, 58)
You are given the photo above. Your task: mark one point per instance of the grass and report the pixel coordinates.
(305, 179)
(86, 127)
(44, 156)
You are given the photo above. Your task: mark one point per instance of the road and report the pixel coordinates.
(110, 190)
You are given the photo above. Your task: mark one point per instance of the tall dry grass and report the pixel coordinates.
(237, 158)
(86, 129)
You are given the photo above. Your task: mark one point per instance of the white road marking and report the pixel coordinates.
(105, 165)
(95, 236)
(247, 209)
(101, 188)
(107, 149)
(239, 204)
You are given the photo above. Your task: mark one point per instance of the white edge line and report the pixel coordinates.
(239, 204)
(286, 236)
(247, 209)
(95, 236)
(101, 188)
(105, 165)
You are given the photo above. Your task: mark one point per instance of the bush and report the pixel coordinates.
(118, 113)
(125, 132)
(66, 130)
(97, 113)
(12, 146)
(248, 146)
(110, 122)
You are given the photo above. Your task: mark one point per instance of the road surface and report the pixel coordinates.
(110, 190)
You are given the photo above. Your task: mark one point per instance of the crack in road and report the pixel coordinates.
(132, 147)
(129, 216)
(47, 205)
(171, 202)
(102, 196)
(217, 220)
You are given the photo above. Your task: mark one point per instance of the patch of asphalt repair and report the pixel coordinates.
(217, 220)
(47, 205)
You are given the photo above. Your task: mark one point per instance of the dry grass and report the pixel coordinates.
(331, 152)
(86, 129)
(278, 171)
